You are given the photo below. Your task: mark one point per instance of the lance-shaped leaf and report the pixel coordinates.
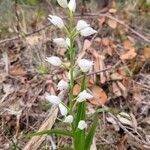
(80, 134)
(91, 133)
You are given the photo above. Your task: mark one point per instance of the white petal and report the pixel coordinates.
(69, 119)
(72, 5)
(57, 21)
(82, 125)
(61, 42)
(53, 99)
(63, 3)
(63, 85)
(88, 31)
(68, 42)
(85, 65)
(81, 25)
(83, 96)
(63, 109)
(54, 60)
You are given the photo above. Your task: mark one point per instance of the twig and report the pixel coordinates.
(122, 23)
(128, 132)
(88, 15)
(17, 17)
(143, 85)
(26, 35)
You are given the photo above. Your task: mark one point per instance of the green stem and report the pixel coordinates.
(71, 51)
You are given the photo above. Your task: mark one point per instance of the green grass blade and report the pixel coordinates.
(79, 138)
(91, 133)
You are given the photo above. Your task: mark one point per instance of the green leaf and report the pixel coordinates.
(79, 139)
(128, 71)
(81, 106)
(90, 135)
(52, 131)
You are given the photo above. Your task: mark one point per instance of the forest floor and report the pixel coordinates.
(120, 79)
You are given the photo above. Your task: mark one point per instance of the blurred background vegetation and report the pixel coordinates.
(31, 11)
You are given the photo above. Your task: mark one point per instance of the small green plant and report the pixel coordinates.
(74, 114)
(42, 70)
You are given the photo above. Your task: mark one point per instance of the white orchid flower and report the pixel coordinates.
(82, 125)
(88, 31)
(72, 5)
(53, 99)
(63, 109)
(85, 65)
(61, 42)
(62, 85)
(68, 119)
(57, 21)
(63, 3)
(83, 96)
(54, 60)
(81, 24)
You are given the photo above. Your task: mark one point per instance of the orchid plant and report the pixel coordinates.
(74, 115)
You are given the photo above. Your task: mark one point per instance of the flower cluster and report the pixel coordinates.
(84, 29)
